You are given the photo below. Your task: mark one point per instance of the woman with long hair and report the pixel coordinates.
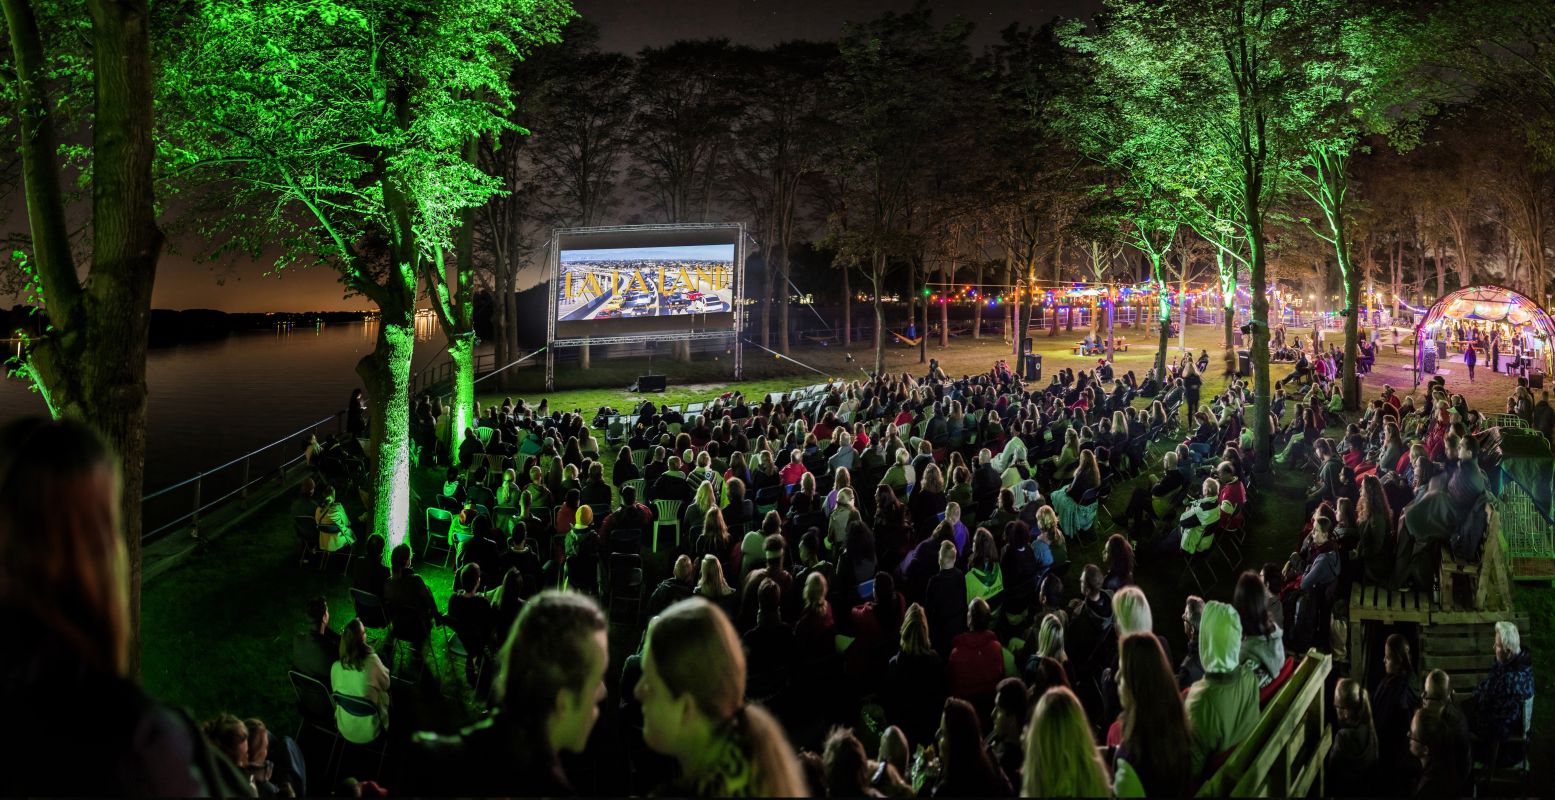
(1263, 641)
(965, 768)
(360, 674)
(695, 514)
(692, 692)
(624, 470)
(1120, 563)
(984, 576)
(66, 623)
(712, 585)
(1154, 756)
(1373, 532)
(1087, 475)
(1394, 703)
(1061, 758)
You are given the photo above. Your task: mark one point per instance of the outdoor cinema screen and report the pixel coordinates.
(650, 280)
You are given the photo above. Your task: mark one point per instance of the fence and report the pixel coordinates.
(164, 507)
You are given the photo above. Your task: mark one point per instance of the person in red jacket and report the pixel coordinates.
(976, 659)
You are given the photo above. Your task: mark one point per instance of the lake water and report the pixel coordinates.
(213, 401)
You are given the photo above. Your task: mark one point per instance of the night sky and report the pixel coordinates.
(625, 26)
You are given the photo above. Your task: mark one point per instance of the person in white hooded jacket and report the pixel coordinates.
(1223, 705)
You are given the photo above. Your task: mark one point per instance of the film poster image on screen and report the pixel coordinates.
(635, 282)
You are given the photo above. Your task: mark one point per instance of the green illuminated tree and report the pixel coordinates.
(342, 130)
(89, 361)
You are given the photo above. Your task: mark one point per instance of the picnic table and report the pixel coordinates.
(1119, 344)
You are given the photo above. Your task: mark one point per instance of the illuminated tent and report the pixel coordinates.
(1488, 303)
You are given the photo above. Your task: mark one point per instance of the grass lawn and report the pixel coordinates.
(217, 630)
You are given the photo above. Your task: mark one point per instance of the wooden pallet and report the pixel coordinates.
(1465, 649)
(1283, 757)
(1381, 604)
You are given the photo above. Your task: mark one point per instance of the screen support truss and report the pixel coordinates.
(553, 268)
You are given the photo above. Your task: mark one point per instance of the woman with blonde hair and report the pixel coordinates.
(1061, 759)
(361, 675)
(842, 479)
(713, 586)
(692, 693)
(696, 512)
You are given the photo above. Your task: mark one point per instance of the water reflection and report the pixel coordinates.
(212, 401)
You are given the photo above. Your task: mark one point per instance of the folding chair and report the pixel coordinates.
(369, 609)
(1193, 561)
(361, 707)
(316, 710)
(343, 550)
(307, 532)
(438, 521)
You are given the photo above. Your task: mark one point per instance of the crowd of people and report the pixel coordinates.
(894, 550)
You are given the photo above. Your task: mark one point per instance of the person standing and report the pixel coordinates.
(1191, 385)
(356, 415)
(1469, 359)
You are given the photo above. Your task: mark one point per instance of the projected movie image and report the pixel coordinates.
(639, 282)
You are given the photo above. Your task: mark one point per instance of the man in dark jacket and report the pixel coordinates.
(986, 484)
(672, 485)
(316, 650)
(945, 601)
(673, 589)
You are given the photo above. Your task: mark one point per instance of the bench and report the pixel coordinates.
(1284, 755)
(1464, 650)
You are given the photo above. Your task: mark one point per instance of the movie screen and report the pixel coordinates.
(643, 287)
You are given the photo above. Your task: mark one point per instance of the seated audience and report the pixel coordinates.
(548, 691)
(692, 692)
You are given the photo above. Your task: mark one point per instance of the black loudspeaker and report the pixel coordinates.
(1033, 367)
(1244, 363)
(652, 383)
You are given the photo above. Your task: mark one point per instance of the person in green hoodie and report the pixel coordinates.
(1223, 705)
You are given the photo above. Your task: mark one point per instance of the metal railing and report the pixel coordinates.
(443, 372)
(272, 463)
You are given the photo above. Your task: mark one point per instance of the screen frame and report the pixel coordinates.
(564, 333)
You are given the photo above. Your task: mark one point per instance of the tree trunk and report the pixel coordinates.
(91, 363)
(766, 293)
(923, 332)
(386, 374)
(1163, 314)
(847, 307)
(977, 304)
(877, 274)
(1263, 441)
(1441, 270)
(946, 273)
(782, 304)
(583, 354)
